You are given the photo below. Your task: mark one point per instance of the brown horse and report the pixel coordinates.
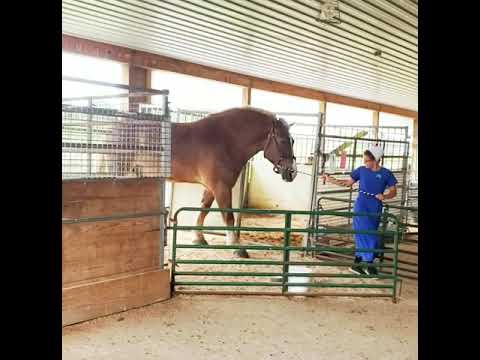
(214, 150)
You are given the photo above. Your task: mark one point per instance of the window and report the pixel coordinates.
(348, 115)
(192, 93)
(397, 120)
(90, 68)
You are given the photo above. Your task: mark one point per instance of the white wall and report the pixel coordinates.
(190, 195)
(269, 191)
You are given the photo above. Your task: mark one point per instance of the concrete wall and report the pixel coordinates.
(269, 191)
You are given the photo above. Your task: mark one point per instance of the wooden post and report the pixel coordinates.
(323, 106)
(247, 96)
(246, 101)
(376, 123)
(138, 78)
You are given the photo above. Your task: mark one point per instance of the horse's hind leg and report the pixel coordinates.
(207, 201)
(223, 195)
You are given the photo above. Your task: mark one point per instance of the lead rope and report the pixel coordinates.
(366, 193)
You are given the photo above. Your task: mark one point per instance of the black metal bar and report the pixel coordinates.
(113, 85)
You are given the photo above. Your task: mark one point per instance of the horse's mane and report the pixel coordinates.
(242, 108)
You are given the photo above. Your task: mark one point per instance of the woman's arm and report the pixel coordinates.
(391, 193)
(348, 182)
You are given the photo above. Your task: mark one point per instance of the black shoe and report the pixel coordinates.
(357, 270)
(371, 270)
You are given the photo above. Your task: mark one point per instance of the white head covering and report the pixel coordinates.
(376, 151)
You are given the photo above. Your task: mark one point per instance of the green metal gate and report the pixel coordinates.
(280, 279)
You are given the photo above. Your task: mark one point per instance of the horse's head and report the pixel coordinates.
(279, 150)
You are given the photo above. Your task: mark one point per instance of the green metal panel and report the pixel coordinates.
(285, 262)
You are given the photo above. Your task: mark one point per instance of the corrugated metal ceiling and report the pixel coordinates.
(274, 39)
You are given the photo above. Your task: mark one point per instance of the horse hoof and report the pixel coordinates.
(200, 242)
(241, 253)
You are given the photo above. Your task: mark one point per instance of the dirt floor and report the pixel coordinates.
(251, 327)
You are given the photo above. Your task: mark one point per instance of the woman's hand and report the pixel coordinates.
(380, 197)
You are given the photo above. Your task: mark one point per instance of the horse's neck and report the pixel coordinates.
(251, 137)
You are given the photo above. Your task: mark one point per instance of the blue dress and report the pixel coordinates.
(372, 183)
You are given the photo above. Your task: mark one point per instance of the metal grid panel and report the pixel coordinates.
(412, 201)
(106, 139)
(187, 116)
(272, 39)
(303, 148)
(345, 153)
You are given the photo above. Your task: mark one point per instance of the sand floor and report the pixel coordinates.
(227, 327)
(253, 327)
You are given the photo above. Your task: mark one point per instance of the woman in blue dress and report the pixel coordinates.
(374, 180)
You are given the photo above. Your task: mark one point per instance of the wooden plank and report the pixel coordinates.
(94, 249)
(154, 61)
(107, 197)
(89, 301)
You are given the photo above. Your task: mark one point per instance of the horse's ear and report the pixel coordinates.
(290, 125)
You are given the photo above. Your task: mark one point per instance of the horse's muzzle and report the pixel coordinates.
(289, 173)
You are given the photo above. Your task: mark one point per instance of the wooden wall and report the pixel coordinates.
(110, 266)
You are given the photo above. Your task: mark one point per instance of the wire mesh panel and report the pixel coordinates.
(303, 148)
(115, 138)
(303, 133)
(187, 116)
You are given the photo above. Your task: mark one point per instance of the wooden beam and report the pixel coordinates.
(154, 61)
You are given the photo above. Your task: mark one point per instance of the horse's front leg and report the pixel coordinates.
(207, 201)
(223, 194)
